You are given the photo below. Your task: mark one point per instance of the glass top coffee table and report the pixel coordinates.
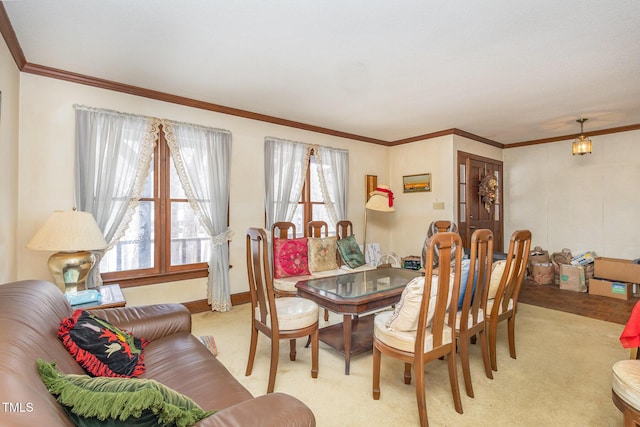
(352, 295)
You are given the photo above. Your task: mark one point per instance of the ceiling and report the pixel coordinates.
(506, 70)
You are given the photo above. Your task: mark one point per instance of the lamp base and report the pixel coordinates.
(70, 269)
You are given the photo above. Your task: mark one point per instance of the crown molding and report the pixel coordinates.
(69, 76)
(10, 38)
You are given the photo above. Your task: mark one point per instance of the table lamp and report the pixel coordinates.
(380, 200)
(72, 235)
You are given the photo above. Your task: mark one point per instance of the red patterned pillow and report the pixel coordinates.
(290, 257)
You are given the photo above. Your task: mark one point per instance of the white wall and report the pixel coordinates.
(9, 85)
(588, 202)
(46, 176)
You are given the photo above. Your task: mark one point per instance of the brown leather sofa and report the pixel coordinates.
(30, 313)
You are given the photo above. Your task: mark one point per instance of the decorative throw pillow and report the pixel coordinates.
(99, 401)
(290, 257)
(406, 312)
(497, 270)
(322, 254)
(101, 348)
(350, 252)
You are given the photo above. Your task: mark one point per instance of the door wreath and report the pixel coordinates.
(488, 191)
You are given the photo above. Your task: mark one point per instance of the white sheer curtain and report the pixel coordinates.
(113, 155)
(285, 167)
(333, 174)
(202, 157)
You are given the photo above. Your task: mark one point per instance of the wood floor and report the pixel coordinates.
(595, 306)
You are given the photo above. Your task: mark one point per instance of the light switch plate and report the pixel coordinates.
(438, 205)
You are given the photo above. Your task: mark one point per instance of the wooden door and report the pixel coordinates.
(474, 210)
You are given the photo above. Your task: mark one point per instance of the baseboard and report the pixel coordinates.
(202, 305)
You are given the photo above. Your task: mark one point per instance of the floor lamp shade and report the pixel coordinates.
(380, 200)
(72, 235)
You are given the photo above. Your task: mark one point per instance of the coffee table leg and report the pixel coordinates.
(346, 330)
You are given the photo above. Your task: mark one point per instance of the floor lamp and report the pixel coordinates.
(380, 200)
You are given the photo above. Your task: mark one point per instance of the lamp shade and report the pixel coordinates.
(581, 146)
(381, 199)
(68, 231)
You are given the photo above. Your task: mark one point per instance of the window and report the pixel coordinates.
(311, 206)
(165, 240)
(304, 182)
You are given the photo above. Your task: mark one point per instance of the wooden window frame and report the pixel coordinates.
(162, 271)
(307, 204)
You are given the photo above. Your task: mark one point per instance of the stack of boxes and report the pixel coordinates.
(614, 278)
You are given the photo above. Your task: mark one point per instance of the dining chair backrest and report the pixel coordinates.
(260, 279)
(471, 321)
(283, 230)
(515, 270)
(505, 304)
(317, 229)
(344, 228)
(477, 286)
(446, 299)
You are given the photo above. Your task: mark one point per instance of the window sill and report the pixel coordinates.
(149, 279)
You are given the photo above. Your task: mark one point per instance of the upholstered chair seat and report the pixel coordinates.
(404, 340)
(293, 313)
(625, 387)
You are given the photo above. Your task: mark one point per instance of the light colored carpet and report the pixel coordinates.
(562, 376)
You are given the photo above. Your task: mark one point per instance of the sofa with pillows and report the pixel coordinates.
(146, 368)
(312, 257)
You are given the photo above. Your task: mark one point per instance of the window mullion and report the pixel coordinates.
(308, 210)
(163, 216)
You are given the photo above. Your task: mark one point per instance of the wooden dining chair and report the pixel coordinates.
(505, 304)
(277, 318)
(470, 319)
(433, 338)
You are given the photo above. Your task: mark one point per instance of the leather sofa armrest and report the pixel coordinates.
(149, 321)
(269, 410)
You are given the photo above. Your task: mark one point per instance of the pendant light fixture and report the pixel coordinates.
(582, 144)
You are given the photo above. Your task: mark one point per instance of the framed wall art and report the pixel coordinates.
(416, 183)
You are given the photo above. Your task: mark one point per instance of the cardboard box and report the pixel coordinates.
(583, 258)
(607, 288)
(617, 270)
(572, 278)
